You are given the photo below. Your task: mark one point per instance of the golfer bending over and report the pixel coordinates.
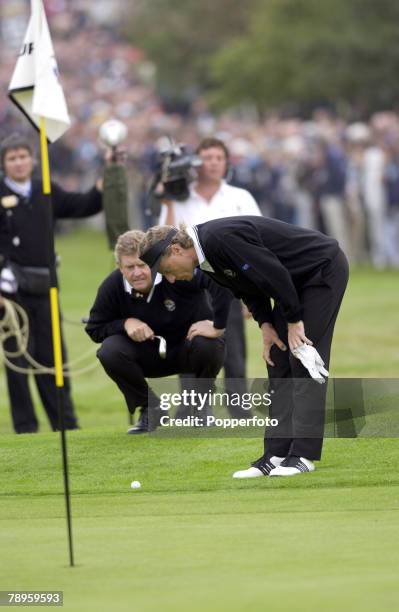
(129, 328)
(305, 274)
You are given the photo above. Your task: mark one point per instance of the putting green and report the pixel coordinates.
(192, 536)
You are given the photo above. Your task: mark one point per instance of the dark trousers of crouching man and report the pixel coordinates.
(129, 363)
(298, 401)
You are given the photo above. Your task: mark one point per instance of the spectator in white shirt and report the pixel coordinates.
(208, 202)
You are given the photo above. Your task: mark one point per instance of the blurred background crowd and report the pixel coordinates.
(337, 172)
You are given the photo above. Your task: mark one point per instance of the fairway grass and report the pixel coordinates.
(192, 538)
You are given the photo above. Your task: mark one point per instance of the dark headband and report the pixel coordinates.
(151, 256)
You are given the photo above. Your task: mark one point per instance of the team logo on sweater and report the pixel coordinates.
(9, 201)
(229, 273)
(170, 305)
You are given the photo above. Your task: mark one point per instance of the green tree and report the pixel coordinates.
(308, 50)
(180, 36)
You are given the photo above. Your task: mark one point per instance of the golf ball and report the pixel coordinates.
(135, 484)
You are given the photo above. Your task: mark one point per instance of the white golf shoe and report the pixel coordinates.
(292, 465)
(261, 467)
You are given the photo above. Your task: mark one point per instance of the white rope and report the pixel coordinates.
(15, 324)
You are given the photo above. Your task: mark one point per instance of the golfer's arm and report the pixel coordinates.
(221, 299)
(104, 319)
(260, 308)
(98, 329)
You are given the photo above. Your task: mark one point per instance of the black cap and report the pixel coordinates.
(152, 257)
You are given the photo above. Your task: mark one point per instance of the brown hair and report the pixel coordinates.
(13, 142)
(209, 143)
(159, 232)
(128, 244)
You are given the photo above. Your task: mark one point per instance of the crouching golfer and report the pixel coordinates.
(128, 327)
(305, 274)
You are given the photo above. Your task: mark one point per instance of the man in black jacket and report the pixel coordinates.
(128, 326)
(24, 256)
(305, 273)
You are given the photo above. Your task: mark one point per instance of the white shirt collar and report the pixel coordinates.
(203, 263)
(129, 289)
(22, 189)
(220, 191)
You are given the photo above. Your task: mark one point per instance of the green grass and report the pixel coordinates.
(192, 538)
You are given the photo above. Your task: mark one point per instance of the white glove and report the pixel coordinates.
(312, 361)
(8, 282)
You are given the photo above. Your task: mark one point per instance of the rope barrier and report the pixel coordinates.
(15, 324)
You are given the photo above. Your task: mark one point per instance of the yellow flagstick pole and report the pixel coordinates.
(56, 329)
(45, 160)
(55, 315)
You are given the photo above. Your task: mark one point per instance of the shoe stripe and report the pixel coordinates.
(265, 468)
(302, 467)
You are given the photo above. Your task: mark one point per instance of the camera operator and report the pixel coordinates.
(209, 197)
(25, 278)
(128, 328)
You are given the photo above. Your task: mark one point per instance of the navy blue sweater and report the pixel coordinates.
(174, 307)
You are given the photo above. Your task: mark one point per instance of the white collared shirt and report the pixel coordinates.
(203, 263)
(228, 201)
(129, 289)
(22, 189)
(127, 285)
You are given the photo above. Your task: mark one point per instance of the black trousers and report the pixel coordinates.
(40, 347)
(236, 353)
(298, 402)
(129, 363)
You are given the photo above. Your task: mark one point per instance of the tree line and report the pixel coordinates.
(272, 53)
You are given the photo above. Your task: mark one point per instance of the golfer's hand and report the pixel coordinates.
(138, 330)
(204, 328)
(312, 361)
(270, 337)
(296, 335)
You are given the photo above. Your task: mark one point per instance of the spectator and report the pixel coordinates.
(25, 277)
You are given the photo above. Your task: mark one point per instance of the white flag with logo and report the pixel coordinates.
(35, 87)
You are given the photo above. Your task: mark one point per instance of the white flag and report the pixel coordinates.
(35, 87)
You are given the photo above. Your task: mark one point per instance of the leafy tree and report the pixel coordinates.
(180, 36)
(272, 52)
(310, 50)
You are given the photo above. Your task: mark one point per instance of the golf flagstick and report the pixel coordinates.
(56, 329)
(36, 90)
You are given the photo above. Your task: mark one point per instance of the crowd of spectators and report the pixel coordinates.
(324, 172)
(340, 178)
